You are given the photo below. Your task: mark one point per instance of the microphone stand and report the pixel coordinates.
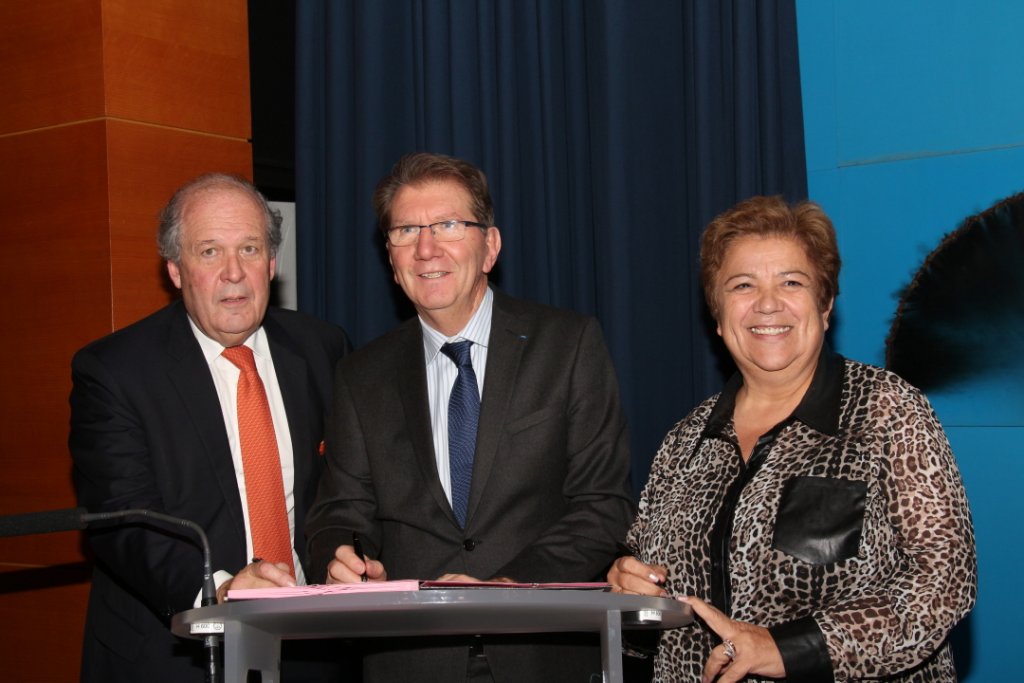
(211, 642)
(73, 519)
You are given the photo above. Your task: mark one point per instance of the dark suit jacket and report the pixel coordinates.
(147, 431)
(549, 497)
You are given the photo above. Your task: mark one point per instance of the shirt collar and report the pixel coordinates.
(477, 330)
(257, 341)
(818, 409)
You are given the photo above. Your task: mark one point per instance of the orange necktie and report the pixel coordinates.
(261, 463)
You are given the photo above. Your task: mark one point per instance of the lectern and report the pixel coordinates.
(253, 629)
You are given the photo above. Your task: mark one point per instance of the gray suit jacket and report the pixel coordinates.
(147, 431)
(549, 498)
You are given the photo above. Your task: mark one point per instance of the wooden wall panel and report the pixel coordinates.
(180, 63)
(55, 276)
(55, 279)
(50, 76)
(108, 106)
(43, 613)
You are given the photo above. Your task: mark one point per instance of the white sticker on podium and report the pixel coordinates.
(207, 627)
(649, 615)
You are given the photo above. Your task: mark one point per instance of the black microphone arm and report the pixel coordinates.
(74, 519)
(211, 642)
(209, 596)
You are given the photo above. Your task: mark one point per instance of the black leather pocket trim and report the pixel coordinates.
(820, 519)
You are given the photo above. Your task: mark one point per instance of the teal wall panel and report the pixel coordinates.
(914, 120)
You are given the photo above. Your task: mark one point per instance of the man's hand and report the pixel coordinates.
(259, 574)
(346, 567)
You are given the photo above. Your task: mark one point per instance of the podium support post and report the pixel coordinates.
(247, 648)
(611, 646)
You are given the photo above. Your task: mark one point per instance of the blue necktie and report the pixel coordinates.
(463, 416)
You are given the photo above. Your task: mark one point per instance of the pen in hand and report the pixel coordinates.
(626, 550)
(357, 547)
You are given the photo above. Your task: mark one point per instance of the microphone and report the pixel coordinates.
(42, 522)
(74, 519)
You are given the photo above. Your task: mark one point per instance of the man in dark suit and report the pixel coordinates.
(546, 496)
(154, 425)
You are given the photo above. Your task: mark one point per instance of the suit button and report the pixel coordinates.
(469, 544)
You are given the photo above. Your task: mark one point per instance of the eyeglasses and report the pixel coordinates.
(442, 231)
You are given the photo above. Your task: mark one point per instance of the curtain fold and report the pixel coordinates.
(611, 132)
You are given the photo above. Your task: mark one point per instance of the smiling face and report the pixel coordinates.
(768, 313)
(444, 280)
(225, 269)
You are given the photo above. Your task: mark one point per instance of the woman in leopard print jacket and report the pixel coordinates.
(814, 505)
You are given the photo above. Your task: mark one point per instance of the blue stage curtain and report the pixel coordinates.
(611, 131)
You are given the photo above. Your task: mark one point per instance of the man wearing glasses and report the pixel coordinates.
(482, 439)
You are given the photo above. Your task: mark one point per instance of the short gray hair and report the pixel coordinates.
(171, 216)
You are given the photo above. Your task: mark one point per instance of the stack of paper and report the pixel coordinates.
(321, 589)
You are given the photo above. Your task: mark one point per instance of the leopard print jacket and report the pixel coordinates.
(880, 598)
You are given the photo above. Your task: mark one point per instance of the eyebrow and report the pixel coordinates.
(215, 242)
(785, 273)
(401, 224)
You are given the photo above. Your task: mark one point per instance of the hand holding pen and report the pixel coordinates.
(350, 565)
(630, 574)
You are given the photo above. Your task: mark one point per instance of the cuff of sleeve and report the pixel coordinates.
(803, 650)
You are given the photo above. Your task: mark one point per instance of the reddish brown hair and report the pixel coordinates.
(425, 167)
(804, 222)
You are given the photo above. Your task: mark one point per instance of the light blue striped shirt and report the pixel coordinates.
(441, 374)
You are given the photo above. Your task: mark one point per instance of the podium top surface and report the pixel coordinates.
(436, 612)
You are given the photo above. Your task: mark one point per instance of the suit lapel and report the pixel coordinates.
(293, 378)
(190, 375)
(509, 335)
(412, 381)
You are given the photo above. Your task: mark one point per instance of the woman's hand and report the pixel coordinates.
(753, 648)
(630, 575)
